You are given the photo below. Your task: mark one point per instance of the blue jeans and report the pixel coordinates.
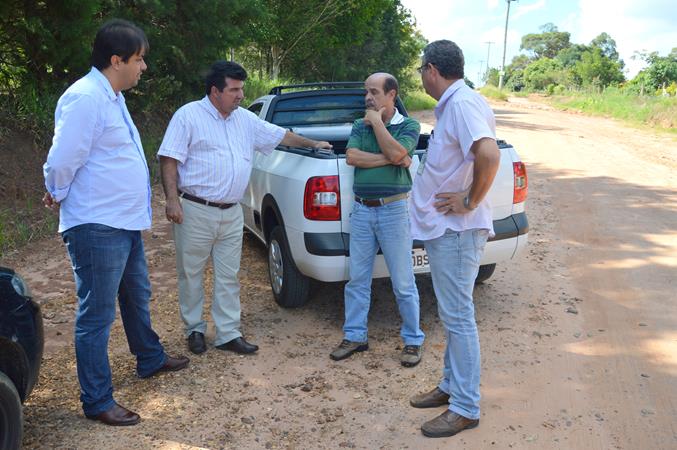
(386, 226)
(454, 262)
(109, 263)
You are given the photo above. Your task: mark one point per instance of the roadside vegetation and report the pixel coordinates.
(46, 47)
(590, 78)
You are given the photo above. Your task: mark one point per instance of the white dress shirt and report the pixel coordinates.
(463, 117)
(215, 154)
(96, 167)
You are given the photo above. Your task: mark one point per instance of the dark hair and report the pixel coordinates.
(117, 37)
(390, 83)
(446, 56)
(219, 71)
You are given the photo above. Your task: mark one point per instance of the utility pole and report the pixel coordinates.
(479, 72)
(488, 65)
(505, 42)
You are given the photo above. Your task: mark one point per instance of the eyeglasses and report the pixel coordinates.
(423, 67)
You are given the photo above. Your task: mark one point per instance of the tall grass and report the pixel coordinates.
(417, 100)
(657, 112)
(491, 91)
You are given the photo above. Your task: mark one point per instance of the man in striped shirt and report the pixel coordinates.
(206, 159)
(380, 149)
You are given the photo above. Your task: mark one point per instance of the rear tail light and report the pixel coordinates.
(322, 200)
(521, 183)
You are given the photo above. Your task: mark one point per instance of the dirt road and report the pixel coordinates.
(578, 334)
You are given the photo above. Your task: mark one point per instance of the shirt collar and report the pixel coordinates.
(448, 93)
(396, 119)
(103, 81)
(211, 109)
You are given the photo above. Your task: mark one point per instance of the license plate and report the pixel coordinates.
(420, 259)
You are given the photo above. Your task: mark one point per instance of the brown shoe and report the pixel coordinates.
(171, 365)
(432, 399)
(411, 355)
(117, 416)
(447, 424)
(347, 348)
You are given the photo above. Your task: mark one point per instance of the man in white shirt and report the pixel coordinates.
(97, 177)
(450, 214)
(206, 159)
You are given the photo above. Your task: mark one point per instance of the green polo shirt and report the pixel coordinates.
(379, 182)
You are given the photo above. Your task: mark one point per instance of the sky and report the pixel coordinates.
(647, 25)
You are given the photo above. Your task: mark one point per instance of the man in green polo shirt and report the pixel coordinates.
(380, 148)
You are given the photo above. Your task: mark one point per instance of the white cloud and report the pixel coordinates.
(635, 26)
(526, 9)
(492, 4)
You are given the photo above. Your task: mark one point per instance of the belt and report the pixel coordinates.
(195, 199)
(380, 201)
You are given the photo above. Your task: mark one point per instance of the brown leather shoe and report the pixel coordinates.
(171, 365)
(117, 416)
(447, 424)
(432, 399)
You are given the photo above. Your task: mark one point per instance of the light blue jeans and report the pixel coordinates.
(454, 261)
(386, 227)
(108, 263)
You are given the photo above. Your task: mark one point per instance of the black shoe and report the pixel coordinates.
(347, 348)
(196, 342)
(239, 345)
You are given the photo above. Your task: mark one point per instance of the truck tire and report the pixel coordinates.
(290, 287)
(485, 273)
(11, 415)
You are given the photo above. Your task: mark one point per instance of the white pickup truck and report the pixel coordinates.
(298, 201)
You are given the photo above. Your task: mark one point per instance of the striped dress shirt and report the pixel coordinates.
(215, 154)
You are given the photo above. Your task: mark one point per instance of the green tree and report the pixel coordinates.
(514, 73)
(571, 55)
(373, 35)
(186, 37)
(546, 44)
(492, 77)
(41, 43)
(543, 72)
(662, 70)
(595, 69)
(288, 24)
(607, 45)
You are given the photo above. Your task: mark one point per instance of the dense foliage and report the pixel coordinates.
(551, 63)
(45, 46)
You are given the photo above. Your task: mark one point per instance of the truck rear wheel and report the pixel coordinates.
(485, 273)
(290, 287)
(11, 415)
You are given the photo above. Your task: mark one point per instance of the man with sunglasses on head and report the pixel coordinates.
(97, 177)
(450, 214)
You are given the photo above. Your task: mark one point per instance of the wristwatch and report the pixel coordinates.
(466, 203)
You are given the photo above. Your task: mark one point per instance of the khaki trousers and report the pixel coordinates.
(208, 231)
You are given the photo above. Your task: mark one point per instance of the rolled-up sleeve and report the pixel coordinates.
(74, 130)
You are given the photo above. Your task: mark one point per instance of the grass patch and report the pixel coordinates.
(19, 226)
(656, 112)
(491, 91)
(417, 101)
